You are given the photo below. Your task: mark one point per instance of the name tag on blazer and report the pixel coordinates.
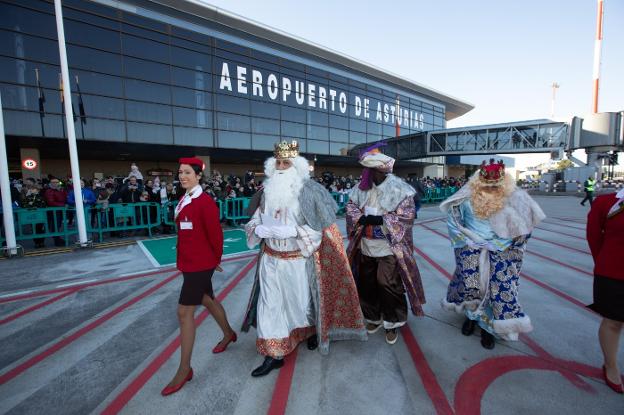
(186, 225)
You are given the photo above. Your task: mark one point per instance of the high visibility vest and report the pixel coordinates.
(590, 185)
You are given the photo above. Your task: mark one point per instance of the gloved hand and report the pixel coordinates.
(284, 232)
(370, 220)
(263, 231)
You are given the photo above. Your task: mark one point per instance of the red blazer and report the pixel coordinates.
(606, 238)
(200, 248)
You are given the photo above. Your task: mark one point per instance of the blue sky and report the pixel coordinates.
(500, 55)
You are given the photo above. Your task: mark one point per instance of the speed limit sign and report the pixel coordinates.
(30, 164)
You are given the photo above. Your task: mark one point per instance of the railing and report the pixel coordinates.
(121, 217)
(40, 223)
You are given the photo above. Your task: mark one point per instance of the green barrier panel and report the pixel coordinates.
(236, 209)
(120, 217)
(41, 223)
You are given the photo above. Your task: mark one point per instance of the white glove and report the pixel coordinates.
(284, 232)
(263, 231)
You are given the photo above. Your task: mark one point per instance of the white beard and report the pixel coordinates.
(282, 189)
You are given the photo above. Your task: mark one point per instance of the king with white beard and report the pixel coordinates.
(293, 220)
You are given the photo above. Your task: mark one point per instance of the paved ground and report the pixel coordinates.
(81, 336)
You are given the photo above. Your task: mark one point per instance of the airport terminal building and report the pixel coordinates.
(156, 80)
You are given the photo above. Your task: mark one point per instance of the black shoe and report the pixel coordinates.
(312, 342)
(268, 365)
(582, 204)
(468, 327)
(487, 340)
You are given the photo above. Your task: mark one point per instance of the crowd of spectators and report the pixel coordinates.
(53, 192)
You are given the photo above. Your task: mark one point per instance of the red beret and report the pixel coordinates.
(193, 161)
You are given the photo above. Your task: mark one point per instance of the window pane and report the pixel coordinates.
(293, 130)
(265, 126)
(192, 117)
(149, 133)
(23, 72)
(19, 45)
(108, 130)
(232, 104)
(338, 135)
(143, 48)
(27, 98)
(357, 137)
(96, 106)
(96, 83)
(317, 118)
(229, 139)
(318, 147)
(192, 98)
(193, 137)
(190, 79)
(264, 142)
(147, 91)
(338, 149)
(149, 71)
(232, 122)
(190, 59)
(95, 60)
(142, 111)
(29, 124)
(338, 122)
(93, 36)
(293, 114)
(265, 109)
(318, 133)
(27, 21)
(357, 125)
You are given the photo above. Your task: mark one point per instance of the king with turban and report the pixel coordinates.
(380, 218)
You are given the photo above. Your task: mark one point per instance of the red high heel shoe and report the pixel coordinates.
(617, 388)
(173, 389)
(221, 349)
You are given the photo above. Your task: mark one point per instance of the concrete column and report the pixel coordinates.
(433, 170)
(32, 154)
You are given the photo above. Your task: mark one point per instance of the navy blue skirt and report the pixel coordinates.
(608, 298)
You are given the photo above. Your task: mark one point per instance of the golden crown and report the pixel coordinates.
(286, 150)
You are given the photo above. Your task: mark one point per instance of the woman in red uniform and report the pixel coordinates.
(200, 246)
(605, 235)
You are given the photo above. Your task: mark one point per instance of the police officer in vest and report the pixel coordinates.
(590, 185)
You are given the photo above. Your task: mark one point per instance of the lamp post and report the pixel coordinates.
(554, 86)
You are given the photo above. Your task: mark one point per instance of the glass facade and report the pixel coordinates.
(139, 80)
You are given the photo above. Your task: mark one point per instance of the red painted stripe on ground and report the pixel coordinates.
(142, 378)
(279, 400)
(430, 382)
(111, 280)
(561, 233)
(557, 292)
(36, 307)
(76, 335)
(575, 220)
(568, 225)
(89, 284)
(563, 264)
(469, 391)
(571, 376)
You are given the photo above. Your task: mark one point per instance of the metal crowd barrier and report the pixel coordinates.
(121, 217)
(41, 223)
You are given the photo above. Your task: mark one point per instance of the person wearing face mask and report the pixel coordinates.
(304, 289)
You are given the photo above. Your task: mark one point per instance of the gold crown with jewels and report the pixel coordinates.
(286, 150)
